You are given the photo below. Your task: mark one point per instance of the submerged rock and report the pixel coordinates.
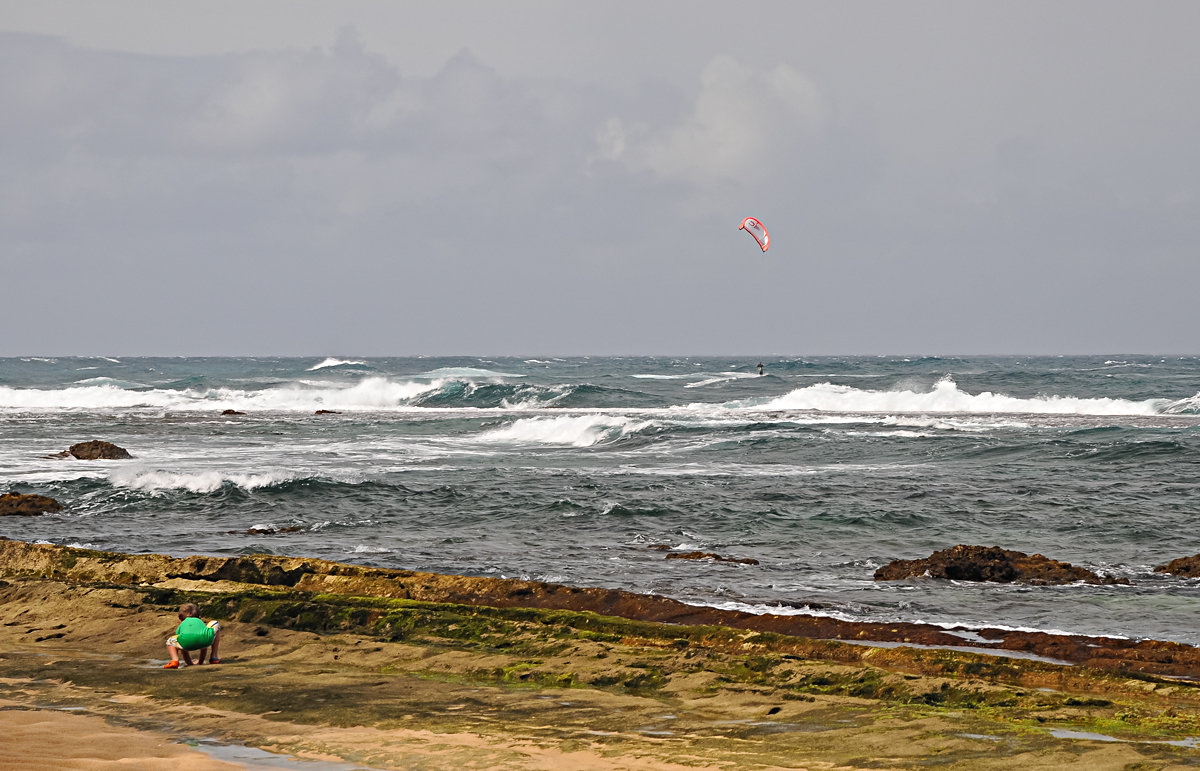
(21, 504)
(232, 412)
(991, 563)
(707, 555)
(98, 450)
(1188, 567)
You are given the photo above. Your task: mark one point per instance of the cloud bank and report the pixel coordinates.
(319, 200)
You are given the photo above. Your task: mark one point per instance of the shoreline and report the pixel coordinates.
(396, 669)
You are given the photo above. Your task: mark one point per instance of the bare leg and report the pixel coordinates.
(173, 652)
(216, 642)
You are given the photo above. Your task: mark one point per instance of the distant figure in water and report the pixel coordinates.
(760, 369)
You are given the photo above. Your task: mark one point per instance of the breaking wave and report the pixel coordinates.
(946, 397)
(571, 431)
(197, 482)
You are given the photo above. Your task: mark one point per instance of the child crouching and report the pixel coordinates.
(191, 635)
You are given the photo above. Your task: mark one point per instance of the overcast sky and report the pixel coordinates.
(393, 178)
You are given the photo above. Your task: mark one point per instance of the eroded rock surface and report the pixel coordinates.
(22, 504)
(98, 450)
(991, 563)
(1187, 567)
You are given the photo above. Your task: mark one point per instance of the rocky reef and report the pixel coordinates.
(991, 563)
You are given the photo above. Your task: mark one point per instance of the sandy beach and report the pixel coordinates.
(390, 682)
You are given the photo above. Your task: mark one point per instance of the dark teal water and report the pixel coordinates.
(569, 470)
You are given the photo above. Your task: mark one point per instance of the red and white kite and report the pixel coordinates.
(756, 229)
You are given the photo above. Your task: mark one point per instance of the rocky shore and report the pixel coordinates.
(401, 669)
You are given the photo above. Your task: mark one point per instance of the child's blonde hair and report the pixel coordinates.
(188, 609)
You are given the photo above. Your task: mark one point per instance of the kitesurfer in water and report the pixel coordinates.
(760, 368)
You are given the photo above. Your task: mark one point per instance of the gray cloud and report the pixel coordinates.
(993, 180)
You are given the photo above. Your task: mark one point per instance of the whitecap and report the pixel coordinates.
(331, 362)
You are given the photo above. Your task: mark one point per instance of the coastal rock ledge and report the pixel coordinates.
(993, 564)
(303, 593)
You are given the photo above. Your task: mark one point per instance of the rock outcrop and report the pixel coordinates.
(1187, 567)
(98, 450)
(991, 563)
(21, 504)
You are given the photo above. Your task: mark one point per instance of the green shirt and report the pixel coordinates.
(194, 634)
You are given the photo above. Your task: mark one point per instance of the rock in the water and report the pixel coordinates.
(991, 563)
(22, 504)
(327, 412)
(98, 450)
(707, 555)
(232, 412)
(1188, 567)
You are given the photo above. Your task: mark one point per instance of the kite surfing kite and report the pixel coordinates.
(756, 229)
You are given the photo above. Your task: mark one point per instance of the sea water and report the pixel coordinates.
(571, 469)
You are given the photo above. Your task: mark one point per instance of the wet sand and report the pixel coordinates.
(49, 740)
(337, 673)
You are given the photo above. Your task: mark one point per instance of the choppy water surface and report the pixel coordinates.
(569, 470)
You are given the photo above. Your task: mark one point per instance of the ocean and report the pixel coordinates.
(579, 470)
